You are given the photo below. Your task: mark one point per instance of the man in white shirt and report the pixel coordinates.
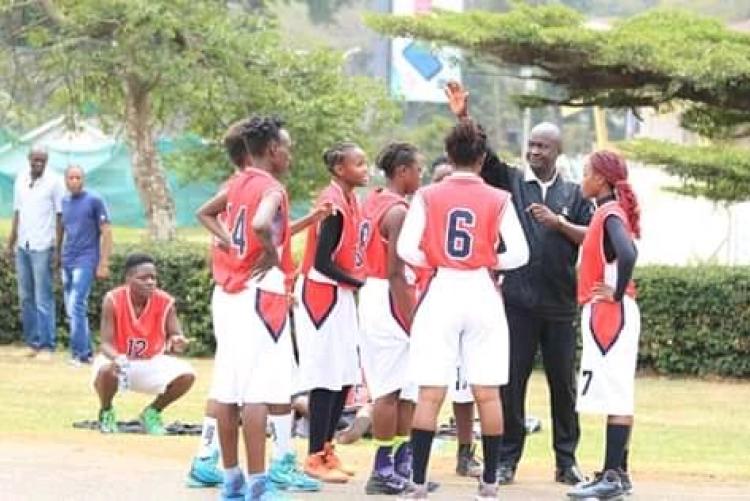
(35, 239)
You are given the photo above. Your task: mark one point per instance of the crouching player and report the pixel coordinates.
(610, 320)
(139, 324)
(454, 228)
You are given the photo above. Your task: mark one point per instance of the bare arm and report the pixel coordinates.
(105, 250)
(208, 216)
(573, 232)
(176, 340)
(545, 216)
(263, 228)
(314, 216)
(107, 331)
(403, 293)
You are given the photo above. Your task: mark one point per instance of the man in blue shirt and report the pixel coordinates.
(85, 255)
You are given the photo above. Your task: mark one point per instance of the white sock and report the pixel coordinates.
(209, 438)
(281, 437)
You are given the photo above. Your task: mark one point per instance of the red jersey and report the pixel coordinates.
(376, 205)
(593, 261)
(243, 198)
(219, 268)
(144, 336)
(462, 221)
(349, 254)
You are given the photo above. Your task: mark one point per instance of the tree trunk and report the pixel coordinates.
(150, 179)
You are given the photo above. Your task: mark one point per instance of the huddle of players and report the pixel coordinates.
(429, 300)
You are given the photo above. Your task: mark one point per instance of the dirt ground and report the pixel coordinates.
(90, 467)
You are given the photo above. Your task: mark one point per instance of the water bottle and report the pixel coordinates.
(122, 373)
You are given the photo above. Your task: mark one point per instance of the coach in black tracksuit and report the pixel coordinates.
(540, 298)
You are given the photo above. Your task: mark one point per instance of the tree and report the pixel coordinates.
(661, 59)
(183, 66)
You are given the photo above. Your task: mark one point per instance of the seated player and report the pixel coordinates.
(139, 324)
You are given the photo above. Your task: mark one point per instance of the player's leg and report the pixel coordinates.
(383, 478)
(170, 377)
(423, 433)
(491, 418)
(204, 470)
(284, 470)
(466, 463)
(227, 417)
(332, 459)
(105, 384)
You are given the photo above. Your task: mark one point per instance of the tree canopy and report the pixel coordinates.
(661, 58)
(150, 67)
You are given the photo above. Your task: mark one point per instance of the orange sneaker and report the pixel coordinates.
(333, 461)
(317, 467)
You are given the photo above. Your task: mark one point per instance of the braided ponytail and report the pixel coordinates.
(615, 171)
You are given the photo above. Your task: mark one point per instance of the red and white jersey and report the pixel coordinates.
(462, 220)
(591, 271)
(349, 254)
(374, 208)
(244, 196)
(143, 336)
(219, 269)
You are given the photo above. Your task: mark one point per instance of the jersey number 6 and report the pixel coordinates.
(459, 239)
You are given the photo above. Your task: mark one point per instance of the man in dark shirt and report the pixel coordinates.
(85, 257)
(540, 297)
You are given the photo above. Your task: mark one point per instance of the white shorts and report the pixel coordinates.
(326, 326)
(460, 317)
(254, 359)
(151, 376)
(384, 342)
(460, 391)
(606, 382)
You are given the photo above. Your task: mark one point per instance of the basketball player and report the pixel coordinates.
(454, 228)
(139, 324)
(610, 320)
(253, 367)
(332, 269)
(386, 304)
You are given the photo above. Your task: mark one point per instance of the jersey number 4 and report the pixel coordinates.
(459, 240)
(238, 231)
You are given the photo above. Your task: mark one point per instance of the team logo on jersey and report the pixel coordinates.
(273, 310)
(606, 323)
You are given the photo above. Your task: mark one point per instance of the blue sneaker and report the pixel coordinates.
(205, 472)
(287, 476)
(261, 488)
(233, 487)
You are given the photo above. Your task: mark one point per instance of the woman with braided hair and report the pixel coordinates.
(610, 320)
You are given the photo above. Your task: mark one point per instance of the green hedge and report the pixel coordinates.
(695, 320)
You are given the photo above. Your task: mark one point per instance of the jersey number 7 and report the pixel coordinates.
(459, 239)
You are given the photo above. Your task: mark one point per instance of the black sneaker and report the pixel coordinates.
(387, 484)
(467, 465)
(505, 474)
(605, 486)
(569, 475)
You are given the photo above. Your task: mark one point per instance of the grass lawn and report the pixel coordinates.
(685, 429)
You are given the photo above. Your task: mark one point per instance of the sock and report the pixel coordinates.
(320, 403)
(491, 451)
(383, 456)
(337, 410)
(617, 440)
(233, 476)
(402, 457)
(421, 443)
(464, 450)
(281, 426)
(625, 460)
(209, 443)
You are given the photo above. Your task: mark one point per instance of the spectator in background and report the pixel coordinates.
(35, 237)
(86, 248)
